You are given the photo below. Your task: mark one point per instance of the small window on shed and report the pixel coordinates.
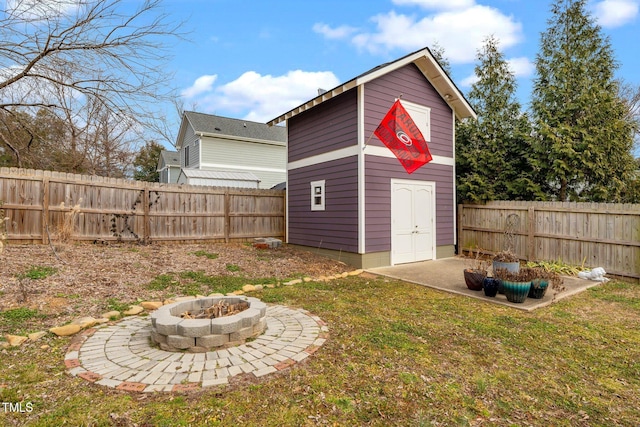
(317, 195)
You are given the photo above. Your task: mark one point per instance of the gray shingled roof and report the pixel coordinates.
(170, 158)
(210, 124)
(427, 64)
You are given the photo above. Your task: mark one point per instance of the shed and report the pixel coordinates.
(348, 196)
(218, 178)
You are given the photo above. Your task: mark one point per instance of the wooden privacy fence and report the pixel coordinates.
(108, 209)
(594, 234)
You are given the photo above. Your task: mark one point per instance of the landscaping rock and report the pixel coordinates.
(36, 335)
(66, 330)
(187, 298)
(84, 322)
(151, 305)
(133, 310)
(356, 272)
(111, 314)
(248, 288)
(307, 279)
(15, 340)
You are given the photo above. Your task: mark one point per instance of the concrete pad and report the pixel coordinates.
(447, 275)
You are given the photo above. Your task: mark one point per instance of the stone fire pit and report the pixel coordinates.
(174, 333)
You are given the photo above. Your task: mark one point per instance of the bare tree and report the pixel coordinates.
(68, 55)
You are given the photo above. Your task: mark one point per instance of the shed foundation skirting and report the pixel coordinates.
(369, 260)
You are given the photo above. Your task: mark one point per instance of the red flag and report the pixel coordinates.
(399, 133)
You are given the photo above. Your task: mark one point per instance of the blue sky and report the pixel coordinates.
(257, 59)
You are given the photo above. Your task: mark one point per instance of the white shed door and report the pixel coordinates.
(412, 221)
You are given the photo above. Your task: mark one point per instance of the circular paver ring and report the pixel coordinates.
(121, 355)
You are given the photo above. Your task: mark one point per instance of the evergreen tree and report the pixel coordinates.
(493, 153)
(146, 162)
(584, 134)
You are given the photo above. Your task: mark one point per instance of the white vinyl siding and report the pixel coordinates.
(266, 161)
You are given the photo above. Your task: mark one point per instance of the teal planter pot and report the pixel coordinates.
(538, 288)
(516, 291)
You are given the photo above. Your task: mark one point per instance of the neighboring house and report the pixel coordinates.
(348, 197)
(169, 166)
(218, 179)
(221, 144)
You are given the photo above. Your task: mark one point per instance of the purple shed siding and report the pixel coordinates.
(409, 82)
(326, 127)
(378, 174)
(337, 226)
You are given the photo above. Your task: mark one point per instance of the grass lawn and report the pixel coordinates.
(397, 354)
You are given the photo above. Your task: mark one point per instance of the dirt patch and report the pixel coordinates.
(87, 276)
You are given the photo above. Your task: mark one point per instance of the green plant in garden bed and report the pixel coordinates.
(38, 272)
(202, 253)
(114, 304)
(556, 267)
(19, 319)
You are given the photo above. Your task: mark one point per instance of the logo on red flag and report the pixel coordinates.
(399, 133)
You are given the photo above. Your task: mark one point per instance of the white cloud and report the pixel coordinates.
(460, 32)
(615, 13)
(261, 98)
(40, 10)
(202, 85)
(340, 32)
(437, 4)
(469, 80)
(522, 66)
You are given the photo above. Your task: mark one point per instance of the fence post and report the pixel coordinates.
(459, 236)
(146, 230)
(531, 230)
(227, 216)
(45, 209)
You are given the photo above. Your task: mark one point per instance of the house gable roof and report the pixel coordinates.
(167, 159)
(228, 128)
(425, 62)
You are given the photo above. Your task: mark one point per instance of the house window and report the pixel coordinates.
(421, 116)
(186, 156)
(317, 195)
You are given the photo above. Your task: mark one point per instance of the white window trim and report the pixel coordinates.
(425, 128)
(318, 205)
